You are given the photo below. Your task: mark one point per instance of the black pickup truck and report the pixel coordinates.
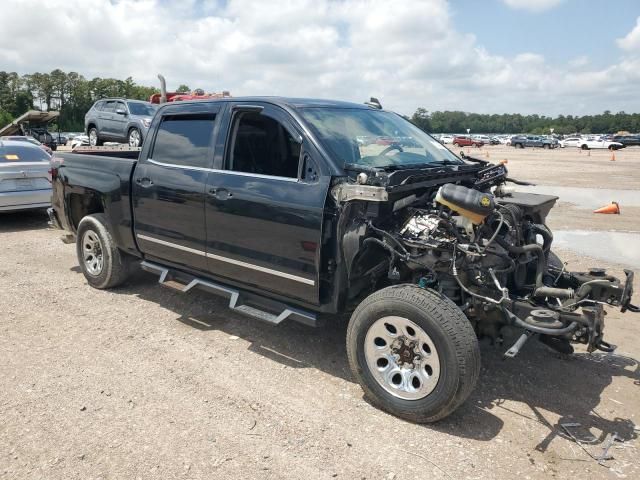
(274, 204)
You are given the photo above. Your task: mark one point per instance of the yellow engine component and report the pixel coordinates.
(469, 203)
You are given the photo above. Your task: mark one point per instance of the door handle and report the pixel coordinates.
(220, 193)
(144, 182)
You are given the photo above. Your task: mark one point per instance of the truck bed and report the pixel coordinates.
(88, 181)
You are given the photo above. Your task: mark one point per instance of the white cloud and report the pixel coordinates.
(631, 42)
(533, 5)
(581, 61)
(407, 53)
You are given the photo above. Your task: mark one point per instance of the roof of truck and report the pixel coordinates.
(284, 101)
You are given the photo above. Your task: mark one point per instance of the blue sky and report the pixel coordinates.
(489, 56)
(572, 29)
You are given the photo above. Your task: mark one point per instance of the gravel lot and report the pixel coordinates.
(142, 382)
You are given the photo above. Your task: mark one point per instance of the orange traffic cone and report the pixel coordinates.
(613, 207)
(613, 156)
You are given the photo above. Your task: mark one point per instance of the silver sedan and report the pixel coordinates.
(24, 176)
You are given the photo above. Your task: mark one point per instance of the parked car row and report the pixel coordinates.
(584, 142)
(587, 143)
(476, 140)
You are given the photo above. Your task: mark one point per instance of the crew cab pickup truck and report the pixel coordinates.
(274, 204)
(523, 141)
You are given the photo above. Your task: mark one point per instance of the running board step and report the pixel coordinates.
(261, 308)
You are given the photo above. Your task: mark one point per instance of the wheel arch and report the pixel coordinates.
(82, 204)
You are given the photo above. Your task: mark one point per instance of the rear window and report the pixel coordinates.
(142, 109)
(184, 140)
(17, 153)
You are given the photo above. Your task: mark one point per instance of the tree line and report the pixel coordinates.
(458, 122)
(69, 93)
(72, 95)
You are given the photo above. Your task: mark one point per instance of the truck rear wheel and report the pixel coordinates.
(414, 352)
(103, 265)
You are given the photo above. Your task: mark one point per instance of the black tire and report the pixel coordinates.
(519, 145)
(584, 147)
(116, 265)
(546, 146)
(99, 141)
(452, 335)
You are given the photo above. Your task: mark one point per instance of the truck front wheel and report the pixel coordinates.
(414, 352)
(103, 265)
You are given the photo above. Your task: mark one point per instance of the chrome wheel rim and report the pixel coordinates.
(93, 138)
(134, 138)
(402, 358)
(92, 253)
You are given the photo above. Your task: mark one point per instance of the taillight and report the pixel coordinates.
(55, 163)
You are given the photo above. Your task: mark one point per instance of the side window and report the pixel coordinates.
(262, 145)
(184, 140)
(109, 107)
(98, 106)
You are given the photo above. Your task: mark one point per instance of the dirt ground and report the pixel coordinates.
(141, 382)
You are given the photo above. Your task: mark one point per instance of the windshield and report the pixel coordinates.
(142, 109)
(375, 138)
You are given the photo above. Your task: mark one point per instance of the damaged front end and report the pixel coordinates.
(461, 231)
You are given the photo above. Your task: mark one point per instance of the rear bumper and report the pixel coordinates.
(26, 200)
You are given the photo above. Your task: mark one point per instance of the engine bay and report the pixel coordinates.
(465, 233)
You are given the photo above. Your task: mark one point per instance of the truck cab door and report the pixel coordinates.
(264, 204)
(169, 185)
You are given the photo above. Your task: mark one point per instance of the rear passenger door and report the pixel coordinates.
(169, 185)
(105, 116)
(119, 121)
(264, 204)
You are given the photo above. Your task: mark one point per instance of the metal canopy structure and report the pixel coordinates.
(33, 118)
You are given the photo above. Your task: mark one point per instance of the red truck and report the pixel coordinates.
(464, 141)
